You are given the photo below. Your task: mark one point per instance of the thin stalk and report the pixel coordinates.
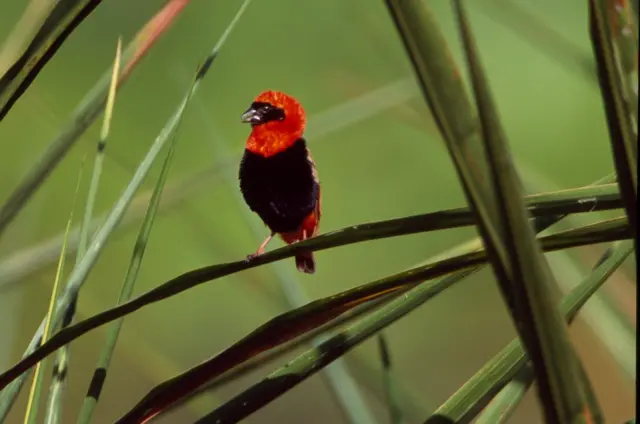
(476, 393)
(100, 373)
(527, 282)
(61, 364)
(80, 272)
(275, 331)
(395, 413)
(313, 360)
(86, 112)
(290, 325)
(621, 134)
(34, 393)
(62, 20)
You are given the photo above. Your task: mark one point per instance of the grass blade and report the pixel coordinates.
(311, 361)
(529, 281)
(80, 272)
(292, 324)
(499, 410)
(100, 373)
(63, 19)
(623, 143)
(473, 396)
(61, 364)
(395, 413)
(33, 15)
(87, 111)
(34, 393)
(598, 197)
(611, 230)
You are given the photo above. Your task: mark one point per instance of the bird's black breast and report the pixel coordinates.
(281, 188)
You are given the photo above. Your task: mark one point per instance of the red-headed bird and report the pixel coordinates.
(278, 177)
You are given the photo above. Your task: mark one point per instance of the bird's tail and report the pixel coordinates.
(305, 263)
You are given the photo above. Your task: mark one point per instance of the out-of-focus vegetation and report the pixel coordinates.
(379, 155)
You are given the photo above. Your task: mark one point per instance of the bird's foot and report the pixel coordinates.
(255, 255)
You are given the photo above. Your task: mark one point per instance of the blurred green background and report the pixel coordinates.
(379, 156)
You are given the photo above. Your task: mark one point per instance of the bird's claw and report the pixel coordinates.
(254, 255)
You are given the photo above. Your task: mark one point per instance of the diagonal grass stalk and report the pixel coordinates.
(80, 271)
(395, 413)
(292, 324)
(34, 393)
(61, 364)
(528, 281)
(86, 112)
(623, 143)
(61, 21)
(610, 230)
(100, 373)
(473, 396)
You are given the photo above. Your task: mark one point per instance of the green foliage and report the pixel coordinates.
(508, 222)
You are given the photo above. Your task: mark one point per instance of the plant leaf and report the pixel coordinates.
(100, 373)
(624, 145)
(474, 395)
(606, 231)
(61, 364)
(63, 19)
(87, 111)
(527, 280)
(287, 326)
(34, 394)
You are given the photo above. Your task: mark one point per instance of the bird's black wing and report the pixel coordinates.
(282, 189)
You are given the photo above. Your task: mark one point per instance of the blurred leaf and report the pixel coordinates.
(474, 395)
(527, 279)
(289, 325)
(87, 111)
(63, 19)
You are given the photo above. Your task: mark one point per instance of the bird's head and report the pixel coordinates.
(277, 121)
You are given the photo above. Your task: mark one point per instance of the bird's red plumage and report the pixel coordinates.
(276, 136)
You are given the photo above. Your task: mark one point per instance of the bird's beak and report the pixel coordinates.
(251, 116)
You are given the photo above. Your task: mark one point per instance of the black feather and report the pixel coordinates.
(281, 188)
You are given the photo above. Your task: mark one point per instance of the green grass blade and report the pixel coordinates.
(473, 396)
(34, 393)
(292, 324)
(86, 112)
(61, 364)
(311, 361)
(395, 413)
(605, 231)
(81, 271)
(499, 410)
(338, 376)
(63, 19)
(18, 265)
(528, 288)
(623, 142)
(100, 373)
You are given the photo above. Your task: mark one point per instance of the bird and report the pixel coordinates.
(277, 175)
